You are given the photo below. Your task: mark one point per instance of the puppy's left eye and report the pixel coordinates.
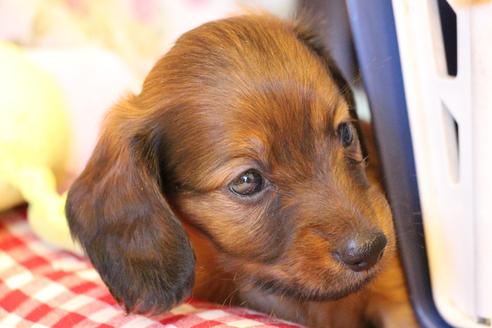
(248, 183)
(346, 134)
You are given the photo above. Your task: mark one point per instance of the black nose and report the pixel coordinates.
(362, 251)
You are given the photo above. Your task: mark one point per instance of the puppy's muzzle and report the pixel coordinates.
(362, 251)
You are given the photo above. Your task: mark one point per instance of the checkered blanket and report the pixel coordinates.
(41, 286)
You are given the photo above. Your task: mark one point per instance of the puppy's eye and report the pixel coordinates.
(248, 183)
(346, 134)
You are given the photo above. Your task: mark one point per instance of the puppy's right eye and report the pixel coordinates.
(247, 184)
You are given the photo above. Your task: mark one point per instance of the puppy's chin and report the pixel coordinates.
(328, 289)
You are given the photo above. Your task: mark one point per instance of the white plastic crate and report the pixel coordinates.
(451, 126)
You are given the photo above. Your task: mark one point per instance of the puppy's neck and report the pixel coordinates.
(276, 306)
(346, 312)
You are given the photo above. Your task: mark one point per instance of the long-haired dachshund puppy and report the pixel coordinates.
(237, 174)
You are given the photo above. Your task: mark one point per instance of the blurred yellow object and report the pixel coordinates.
(34, 141)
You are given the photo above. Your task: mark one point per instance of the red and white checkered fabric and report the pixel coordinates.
(41, 286)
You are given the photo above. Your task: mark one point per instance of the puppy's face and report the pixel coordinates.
(243, 130)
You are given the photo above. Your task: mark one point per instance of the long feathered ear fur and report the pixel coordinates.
(307, 27)
(117, 210)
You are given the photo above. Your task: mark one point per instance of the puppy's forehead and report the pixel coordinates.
(244, 86)
(258, 66)
(270, 86)
(228, 59)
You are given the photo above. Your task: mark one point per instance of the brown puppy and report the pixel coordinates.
(241, 142)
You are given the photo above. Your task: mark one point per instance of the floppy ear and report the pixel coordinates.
(117, 211)
(306, 27)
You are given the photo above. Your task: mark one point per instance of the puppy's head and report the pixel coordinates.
(244, 131)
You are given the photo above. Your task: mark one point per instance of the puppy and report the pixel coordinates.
(239, 167)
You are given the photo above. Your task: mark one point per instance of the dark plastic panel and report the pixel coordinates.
(376, 46)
